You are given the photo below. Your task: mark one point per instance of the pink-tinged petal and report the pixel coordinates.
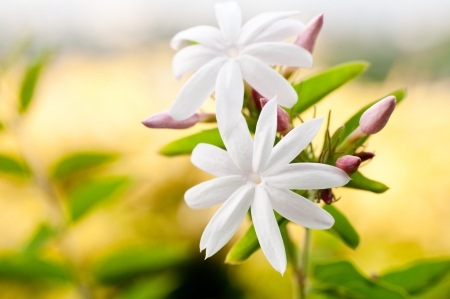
(229, 17)
(274, 53)
(292, 144)
(298, 209)
(266, 81)
(239, 144)
(163, 120)
(227, 220)
(266, 128)
(213, 192)
(192, 58)
(280, 31)
(283, 118)
(258, 24)
(307, 39)
(307, 176)
(196, 90)
(267, 230)
(229, 96)
(207, 36)
(348, 163)
(214, 160)
(376, 117)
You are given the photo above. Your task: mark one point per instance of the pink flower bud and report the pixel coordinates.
(364, 156)
(165, 121)
(376, 117)
(348, 163)
(283, 119)
(307, 38)
(257, 99)
(327, 196)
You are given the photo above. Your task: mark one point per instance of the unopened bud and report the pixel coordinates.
(376, 117)
(163, 120)
(283, 119)
(327, 196)
(348, 163)
(307, 38)
(257, 99)
(364, 156)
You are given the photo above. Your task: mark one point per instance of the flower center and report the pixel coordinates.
(233, 51)
(255, 178)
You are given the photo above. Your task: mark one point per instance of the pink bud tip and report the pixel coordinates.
(376, 117)
(283, 119)
(307, 38)
(364, 156)
(348, 163)
(163, 120)
(257, 99)
(327, 196)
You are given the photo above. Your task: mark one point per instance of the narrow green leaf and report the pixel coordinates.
(419, 276)
(13, 166)
(353, 122)
(75, 163)
(312, 89)
(342, 228)
(30, 81)
(248, 244)
(187, 144)
(344, 278)
(154, 288)
(28, 268)
(132, 262)
(360, 182)
(42, 234)
(88, 195)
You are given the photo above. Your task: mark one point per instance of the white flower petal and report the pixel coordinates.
(192, 58)
(267, 230)
(229, 96)
(227, 220)
(292, 144)
(213, 192)
(280, 31)
(229, 17)
(207, 36)
(214, 160)
(298, 209)
(196, 90)
(258, 24)
(307, 176)
(275, 53)
(266, 81)
(239, 144)
(266, 128)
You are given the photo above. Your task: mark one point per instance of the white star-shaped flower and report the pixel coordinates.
(253, 173)
(223, 58)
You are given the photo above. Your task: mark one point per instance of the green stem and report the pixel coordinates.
(304, 263)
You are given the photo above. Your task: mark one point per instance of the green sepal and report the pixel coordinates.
(360, 182)
(342, 228)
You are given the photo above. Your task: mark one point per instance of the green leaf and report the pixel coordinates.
(353, 122)
(154, 288)
(342, 228)
(30, 80)
(248, 244)
(360, 182)
(342, 277)
(42, 234)
(420, 276)
(79, 162)
(13, 166)
(312, 89)
(2, 126)
(27, 268)
(131, 262)
(89, 194)
(187, 144)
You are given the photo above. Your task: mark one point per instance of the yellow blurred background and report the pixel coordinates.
(96, 100)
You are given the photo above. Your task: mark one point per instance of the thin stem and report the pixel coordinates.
(305, 262)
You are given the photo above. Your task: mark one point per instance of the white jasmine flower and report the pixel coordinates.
(223, 58)
(254, 174)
